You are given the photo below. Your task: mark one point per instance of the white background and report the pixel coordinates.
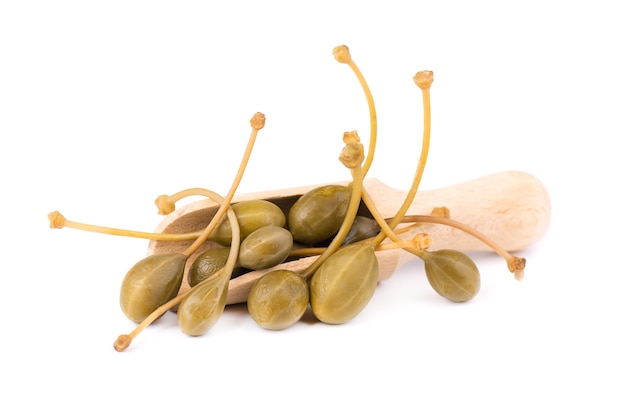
(105, 105)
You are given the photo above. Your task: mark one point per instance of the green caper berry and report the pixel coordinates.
(452, 274)
(202, 307)
(344, 284)
(265, 248)
(150, 283)
(251, 216)
(362, 228)
(278, 299)
(318, 213)
(206, 264)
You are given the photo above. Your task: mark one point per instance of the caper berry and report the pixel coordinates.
(278, 299)
(344, 284)
(318, 213)
(251, 216)
(265, 248)
(452, 274)
(202, 307)
(362, 228)
(207, 264)
(150, 283)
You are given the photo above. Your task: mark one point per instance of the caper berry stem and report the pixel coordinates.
(515, 264)
(304, 252)
(257, 123)
(166, 204)
(123, 341)
(384, 225)
(423, 79)
(58, 221)
(352, 157)
(342, 54)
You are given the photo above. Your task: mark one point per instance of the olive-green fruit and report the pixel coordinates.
(206, 264)
(344, 284)
(150, 283)
(452, 274)
(265, 248)
(362, 228)
(251, 216)
(318, 213)
(203, 305)
(278, 299)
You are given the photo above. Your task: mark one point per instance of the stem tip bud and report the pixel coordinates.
(422, 241)
(342, 54)
(57, 221)
(122, 342)
(351, 137)
(352, 154)
(164, 204)
(424, 79)
(517, 265)
(258, 121)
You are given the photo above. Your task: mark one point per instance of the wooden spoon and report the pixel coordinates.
(512, 208)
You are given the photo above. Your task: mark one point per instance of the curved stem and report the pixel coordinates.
(384, 225)
(342, 54)
(423, 80)
(373, 119)
(58, 221)
(257, 123)
(514, 263)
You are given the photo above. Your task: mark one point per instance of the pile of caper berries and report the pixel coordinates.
(281, 296)
(322, 225)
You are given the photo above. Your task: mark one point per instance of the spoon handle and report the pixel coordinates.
(511, 207)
